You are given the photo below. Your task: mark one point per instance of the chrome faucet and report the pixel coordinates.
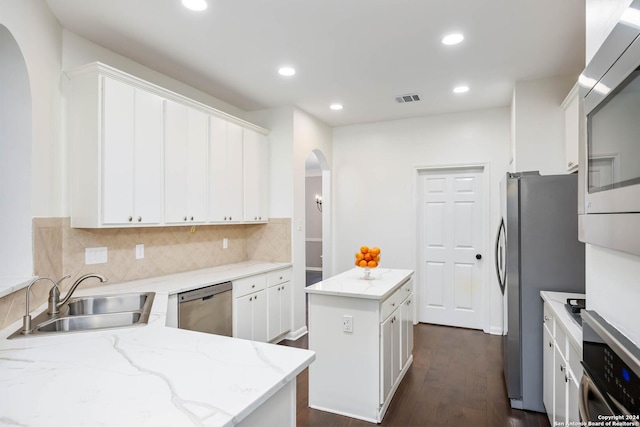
(54, 294)
(26, 320)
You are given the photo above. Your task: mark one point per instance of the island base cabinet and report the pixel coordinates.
(356, 372)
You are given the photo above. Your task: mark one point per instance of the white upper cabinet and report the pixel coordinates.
(571, 129)
(256, 176)
(141, 155)
(185, 164)
(115, 154)
(225, 171)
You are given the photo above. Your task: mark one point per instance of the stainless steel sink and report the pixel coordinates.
(90, 322)
(108, 304)
(94, 313)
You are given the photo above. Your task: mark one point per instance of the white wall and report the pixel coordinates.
(39, 35)
(538, 124)
(15, 162)
(374, 193)
(612, 284)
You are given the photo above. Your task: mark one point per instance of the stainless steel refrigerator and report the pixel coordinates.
(537, 249)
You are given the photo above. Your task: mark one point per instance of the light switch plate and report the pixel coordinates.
(139, 251)
(225, 243)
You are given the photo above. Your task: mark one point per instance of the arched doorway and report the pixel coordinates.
(16, 247)
(318, 255)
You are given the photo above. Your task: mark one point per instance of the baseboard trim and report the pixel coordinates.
(295, 335)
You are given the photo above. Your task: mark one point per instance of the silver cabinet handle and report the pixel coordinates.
(550, 344)
(185, 218)
(230, 218)
(562, 368)
(253, 286)
(139, 219)
(130, 218)
(546, 319)
(191, 218)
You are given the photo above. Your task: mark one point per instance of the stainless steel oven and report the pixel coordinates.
(610, 386)
(610, 139)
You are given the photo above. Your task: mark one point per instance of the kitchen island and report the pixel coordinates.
(362, 333)
(150, 375)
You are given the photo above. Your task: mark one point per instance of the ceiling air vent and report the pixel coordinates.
(412, 97)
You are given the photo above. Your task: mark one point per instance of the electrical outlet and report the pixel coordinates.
(225, 243)
(139, 251)
(347, 323)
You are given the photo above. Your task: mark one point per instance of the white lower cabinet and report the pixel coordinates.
(250, 308)
(278, 303)
(562, 372)
(262, 306)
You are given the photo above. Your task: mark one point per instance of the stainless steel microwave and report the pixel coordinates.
(609, 181)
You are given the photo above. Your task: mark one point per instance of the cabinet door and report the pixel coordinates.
(406, 327)
(390, 354)
(274, 310)
(148, 158)
(244, 318)
(256, 176)
(573, 393)
(548, 375)
(117, 152)
(285, 307)
(259, 313)
(225, 171)
(571, 129)
(185, 180)
(560, 388)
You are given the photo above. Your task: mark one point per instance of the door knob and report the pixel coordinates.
(478, 256)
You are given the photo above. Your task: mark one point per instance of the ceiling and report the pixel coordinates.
(360, 53)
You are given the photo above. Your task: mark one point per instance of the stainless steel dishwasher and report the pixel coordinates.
(206, 309)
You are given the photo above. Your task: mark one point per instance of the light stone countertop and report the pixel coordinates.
(149, 375)
(556, 301)
(352, 284)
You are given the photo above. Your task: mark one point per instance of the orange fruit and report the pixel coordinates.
(359, 256)
(377, 258)
(367, 257)
(372, 264)
(362, 263)
(375, 251)
(364, 249)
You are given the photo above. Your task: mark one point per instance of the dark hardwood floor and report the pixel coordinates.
(456, 379)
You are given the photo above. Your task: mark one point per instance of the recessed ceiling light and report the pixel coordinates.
(197, 5)
(451, 39)
(286, 71)
(336, 106)
(461, 89)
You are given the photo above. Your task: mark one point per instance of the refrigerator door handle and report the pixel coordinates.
(499, 257)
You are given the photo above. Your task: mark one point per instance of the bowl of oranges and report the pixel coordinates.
(368, 258)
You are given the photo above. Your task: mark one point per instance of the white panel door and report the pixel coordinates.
(451, 277)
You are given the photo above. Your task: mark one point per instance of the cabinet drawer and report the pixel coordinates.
(391, 303)
(549, 320)
(248, 285)
(279, 276)
(406, 289)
